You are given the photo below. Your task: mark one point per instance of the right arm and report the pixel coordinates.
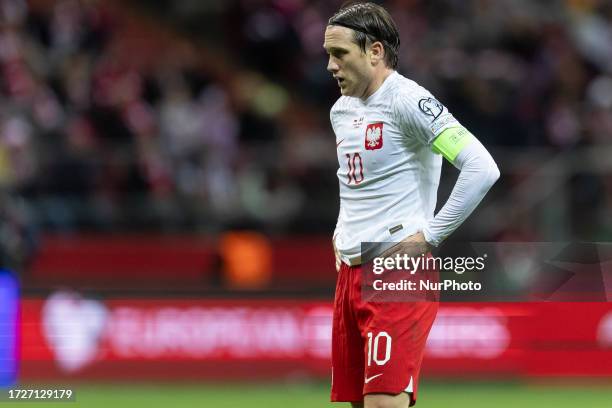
(338, 222)
(336, 232)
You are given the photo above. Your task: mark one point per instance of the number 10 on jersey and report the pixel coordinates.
(354, 175)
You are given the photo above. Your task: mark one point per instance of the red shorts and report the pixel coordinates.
(377, 347)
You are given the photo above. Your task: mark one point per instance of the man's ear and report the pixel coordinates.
(377, 52)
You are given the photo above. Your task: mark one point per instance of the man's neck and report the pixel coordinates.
(376, 83)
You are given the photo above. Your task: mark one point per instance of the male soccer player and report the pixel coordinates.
(391, 135)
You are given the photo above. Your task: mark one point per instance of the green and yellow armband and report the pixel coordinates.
(450, 142)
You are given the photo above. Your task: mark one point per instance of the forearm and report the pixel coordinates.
(338, 223)
(478, 173)
(336, 232)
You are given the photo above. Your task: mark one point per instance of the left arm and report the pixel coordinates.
(478, 172)
(445, 135)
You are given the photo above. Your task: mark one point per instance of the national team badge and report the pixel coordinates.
(374, 136)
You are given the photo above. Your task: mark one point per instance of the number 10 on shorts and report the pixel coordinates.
(373, 353)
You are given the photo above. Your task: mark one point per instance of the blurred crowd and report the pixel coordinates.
(202, 116)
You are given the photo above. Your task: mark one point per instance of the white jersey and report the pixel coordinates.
(388, 173)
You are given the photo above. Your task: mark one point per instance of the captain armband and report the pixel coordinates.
(450, 142)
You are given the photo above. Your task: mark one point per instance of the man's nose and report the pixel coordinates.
(332, 66)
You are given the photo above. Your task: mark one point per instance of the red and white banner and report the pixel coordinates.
(70, 336)
(67, 336)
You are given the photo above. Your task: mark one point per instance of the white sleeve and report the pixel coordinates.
(339, 221)
(421, 116)
(478, 173)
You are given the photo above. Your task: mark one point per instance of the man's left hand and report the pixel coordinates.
(413, 246)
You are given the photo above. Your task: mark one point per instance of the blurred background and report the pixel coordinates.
(168, 194)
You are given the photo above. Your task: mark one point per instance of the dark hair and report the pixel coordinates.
(370, 22)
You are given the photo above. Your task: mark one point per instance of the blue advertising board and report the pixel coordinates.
(9, 315)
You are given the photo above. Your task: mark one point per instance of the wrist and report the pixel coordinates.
(429, 239)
